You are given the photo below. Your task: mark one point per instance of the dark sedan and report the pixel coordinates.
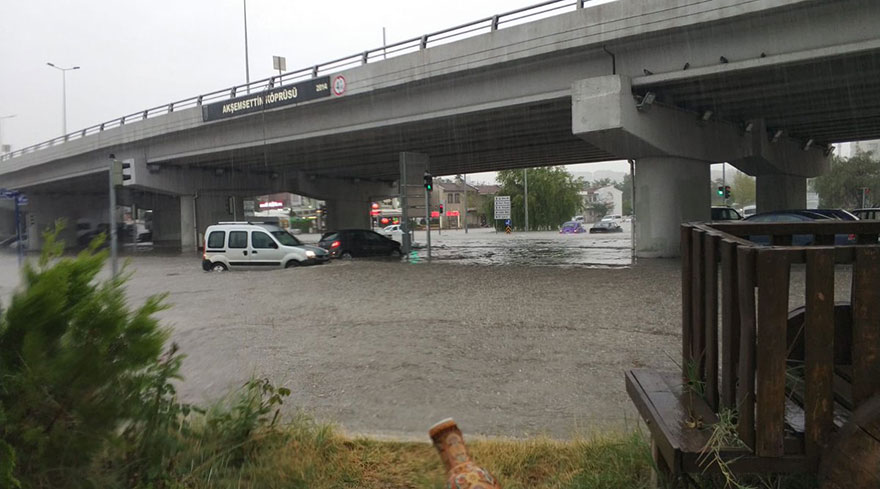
(348, 243)
(803, 215)
(606, 227)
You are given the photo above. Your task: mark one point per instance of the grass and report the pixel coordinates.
(307, 454)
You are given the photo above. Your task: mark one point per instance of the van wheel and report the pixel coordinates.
(291, 264)
(346, 255)
(218, 267)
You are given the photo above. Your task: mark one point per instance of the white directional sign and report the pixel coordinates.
(502, 207)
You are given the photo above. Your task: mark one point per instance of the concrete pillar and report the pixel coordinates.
(669, 191)
(166, 222)
(777, 192)
(348, 214)
(188, 223)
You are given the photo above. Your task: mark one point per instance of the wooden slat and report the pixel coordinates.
(745, 392)
(729, 324)
(773, 283)
(781, 239)
(824, 240)
(697, 309)
(687, 326)
(819, 351)
(866, 324)
(829, 226)
(710, 302)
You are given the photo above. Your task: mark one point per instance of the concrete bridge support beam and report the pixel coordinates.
(669, 191)
(776, 192)
(673, 149)
(348, 213)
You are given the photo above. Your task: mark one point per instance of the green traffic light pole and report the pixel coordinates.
(112, 220)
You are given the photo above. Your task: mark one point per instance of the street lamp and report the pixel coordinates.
(2, 147)
(63, 94)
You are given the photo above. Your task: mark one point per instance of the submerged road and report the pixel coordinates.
(384, 347)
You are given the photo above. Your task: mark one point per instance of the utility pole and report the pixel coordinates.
(428, 219)
(724, 180)
(526, 194)
(465, 203)
(247, 64)
(2, 117)
(63, 94)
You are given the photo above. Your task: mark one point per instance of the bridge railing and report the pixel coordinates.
(487, 24)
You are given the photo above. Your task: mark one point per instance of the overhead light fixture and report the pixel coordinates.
(274, 175)
(646, 102)
(704, 119)
(153, 167)
(809, 144)
(749, 126)
(776, 136)
(219, 171)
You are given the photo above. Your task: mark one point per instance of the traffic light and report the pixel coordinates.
(121, 172)
(727, 191)
(441, 208)
(720, 191)
(429, 182)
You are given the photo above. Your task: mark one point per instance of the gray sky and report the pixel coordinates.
(138, 54)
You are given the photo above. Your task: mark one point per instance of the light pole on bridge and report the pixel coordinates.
(63, 94)
(2, 117)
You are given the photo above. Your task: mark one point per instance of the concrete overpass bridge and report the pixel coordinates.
(766, 85)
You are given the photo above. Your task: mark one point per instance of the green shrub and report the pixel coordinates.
(74, 361)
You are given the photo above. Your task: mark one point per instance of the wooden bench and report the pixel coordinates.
(801, 385)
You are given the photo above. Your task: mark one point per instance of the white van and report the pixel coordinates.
(230, 245)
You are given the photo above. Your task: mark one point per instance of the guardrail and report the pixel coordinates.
(493, 23)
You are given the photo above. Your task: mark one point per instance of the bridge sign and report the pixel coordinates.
(269, 99)
(502, 207)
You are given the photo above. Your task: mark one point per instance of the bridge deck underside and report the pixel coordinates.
(522, 136)
(830, 100)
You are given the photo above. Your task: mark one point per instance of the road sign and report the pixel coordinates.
(6, 194)
(502, 207)
(22, 200)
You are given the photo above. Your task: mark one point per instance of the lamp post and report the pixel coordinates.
(63, 94)
(247, 64)
(1, 130)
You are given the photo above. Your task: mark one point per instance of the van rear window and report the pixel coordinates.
(216, 239)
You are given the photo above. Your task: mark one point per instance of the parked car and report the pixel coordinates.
(749, 210)
(801, 215)
(572, 227)
(230, 245)
(391, 230)
(724, 213)
(348, 243)
(872, 214)
(606, 227)
(612, 218)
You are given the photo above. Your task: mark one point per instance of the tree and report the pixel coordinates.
(75, 361)
(843, 185)
(553, 196)
(626, 187)
(742, 191)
